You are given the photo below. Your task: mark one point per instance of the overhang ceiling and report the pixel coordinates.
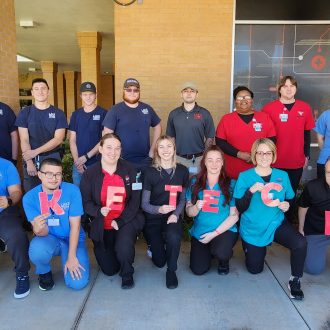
(56, 24)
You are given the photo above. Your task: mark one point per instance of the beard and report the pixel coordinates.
(131, 101)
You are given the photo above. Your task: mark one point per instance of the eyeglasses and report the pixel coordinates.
(132, 90)
(241, 98)
(50, 175)
(267, 153)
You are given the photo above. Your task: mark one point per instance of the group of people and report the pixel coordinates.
(238, 179)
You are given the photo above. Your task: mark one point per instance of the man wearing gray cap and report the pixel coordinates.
(131, 121)
(192, 127)
(85, 131)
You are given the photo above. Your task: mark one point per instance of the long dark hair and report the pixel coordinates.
(201, 177)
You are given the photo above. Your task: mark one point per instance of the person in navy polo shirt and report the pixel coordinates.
(8, 134)
(11, 231)
(41, 129)
(85, 131)
(54, 209)
(131, 121)
(192, 127)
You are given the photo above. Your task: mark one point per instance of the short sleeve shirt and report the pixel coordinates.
(70, 201)
(41, 124)
(7, 126)
(132, 125)
(323, 128)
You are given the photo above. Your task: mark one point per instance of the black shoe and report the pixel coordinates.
(22, 286)
(127, 283)
(46, 281)
(171, 280)
(223, 268)
(295, 290)
(3, 246)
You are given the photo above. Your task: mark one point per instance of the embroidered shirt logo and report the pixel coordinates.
(300, 113)
(145, 111)
(96, 117)
(52, 115)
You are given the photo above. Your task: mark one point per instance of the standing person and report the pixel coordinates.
(237, 131)
(322, 130)
(293, 120)
(54, 209)
(131, 121)
(11, 231)
(41, 129)
(163, 224)
(8, 134)
(262, 195)
(192, 127)
(111, 197)
(85, 131)
(214, 233)
(314, 207)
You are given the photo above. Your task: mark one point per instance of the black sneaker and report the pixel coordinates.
(127, 282)
(3, 246)
(171, 280)
(22, 286)
(295, 290)
(46, 281)
(223, 268)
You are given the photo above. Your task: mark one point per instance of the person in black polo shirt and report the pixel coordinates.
(313, 205)
(41, 129)
(192, 127)
(163, 219)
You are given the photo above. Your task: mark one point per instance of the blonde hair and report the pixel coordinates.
(157, 160)
(269, 143)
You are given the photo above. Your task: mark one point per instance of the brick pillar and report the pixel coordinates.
(90, 44)
(60, 91)
(8, 63)
(70, 89)
(49, 72)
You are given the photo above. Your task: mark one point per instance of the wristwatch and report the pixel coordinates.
(10, 201)
(86, 155)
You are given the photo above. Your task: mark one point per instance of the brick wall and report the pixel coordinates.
(166, 42)
(8, 64)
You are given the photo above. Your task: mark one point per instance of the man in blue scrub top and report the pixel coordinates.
(41, 129)
(85, 131)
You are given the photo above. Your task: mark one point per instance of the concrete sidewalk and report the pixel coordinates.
(236, 301)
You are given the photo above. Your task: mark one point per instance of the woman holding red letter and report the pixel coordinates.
(111, 198)
(262, 195)
(163, 200)
(210, 203)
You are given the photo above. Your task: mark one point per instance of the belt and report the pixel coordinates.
(191, 156)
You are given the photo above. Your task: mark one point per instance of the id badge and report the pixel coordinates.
(137, 186)
(53, 222)
(193, 169)
(257, 127)
(284, 117)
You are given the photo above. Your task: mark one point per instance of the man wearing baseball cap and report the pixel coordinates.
(192, 127)
(131, 121)
(85, 131)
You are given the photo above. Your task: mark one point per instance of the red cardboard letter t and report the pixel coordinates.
(115, 201)
(173, 193)
(209, 199)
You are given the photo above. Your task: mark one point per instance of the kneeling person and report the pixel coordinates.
(54, 209)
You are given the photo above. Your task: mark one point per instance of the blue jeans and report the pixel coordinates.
(44, 248)
(76, 176)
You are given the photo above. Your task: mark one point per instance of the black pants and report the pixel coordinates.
(320, 169)
(14, 236)
(220, 247)
(294, 176)
(165, 241)
(286, 236)
(117, 251)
